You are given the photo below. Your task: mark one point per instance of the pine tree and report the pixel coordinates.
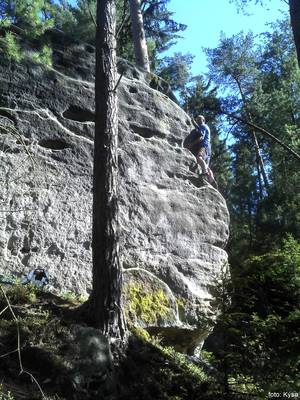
(33, 17)
(294, 9)
(104, 306)
(176, 70)
(138, 35)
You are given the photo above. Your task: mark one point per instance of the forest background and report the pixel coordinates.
(251, 82)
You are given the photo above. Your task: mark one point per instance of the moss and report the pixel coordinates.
(74, 298)
(5, 395)
(40, 333)
(181, 360)
(20, 294)
(146, 305)
(155, 372)
(140, 333)
(147, 371)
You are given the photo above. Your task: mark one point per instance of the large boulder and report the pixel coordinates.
(173, 226)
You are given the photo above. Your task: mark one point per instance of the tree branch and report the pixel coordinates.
(119, 80)
(266, 133)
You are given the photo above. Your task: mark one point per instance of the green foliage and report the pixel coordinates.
(233, 62)
(160, 26)
(46, 338)
(27, 19)
(32, 16)
(145, 304)
(176, 70)
(44, 56)
(276, 100)
(163, 374)
(5, 395)
(73, 298)
(140, 333)
(263, 80)
(160, 29)
(182, 361)
(84, 16)
(36, 335)
(260, 325)
(181, 304)
(21, 294)
(10, 47)
(64, 18)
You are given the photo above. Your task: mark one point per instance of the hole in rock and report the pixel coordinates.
(143, 131)
(79, 114)
(54, 144)
(133, 89)
(25, 259)
(7, 149)
(86, 245)
(89, 48)
(7, 115)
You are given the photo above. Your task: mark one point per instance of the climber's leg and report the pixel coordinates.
(200, 160)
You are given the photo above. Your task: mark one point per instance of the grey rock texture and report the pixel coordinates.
(172, 224)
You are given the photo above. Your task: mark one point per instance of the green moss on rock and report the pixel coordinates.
(145, 305)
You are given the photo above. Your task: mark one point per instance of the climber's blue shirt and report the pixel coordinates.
(205, 132)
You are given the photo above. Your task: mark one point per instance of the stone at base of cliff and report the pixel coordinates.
(148, 300)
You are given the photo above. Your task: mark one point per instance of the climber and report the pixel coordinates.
(199, 144)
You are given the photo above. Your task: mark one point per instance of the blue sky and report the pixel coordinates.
(207, 18)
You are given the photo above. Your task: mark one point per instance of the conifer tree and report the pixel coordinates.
(138, 35)
(104, 306)
(294, 10)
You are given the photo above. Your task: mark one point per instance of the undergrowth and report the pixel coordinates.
(5, 395)
(40, 334)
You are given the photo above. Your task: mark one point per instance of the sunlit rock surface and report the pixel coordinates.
(172, 225)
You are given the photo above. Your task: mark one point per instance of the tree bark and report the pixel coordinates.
(295, 22)
(138, 34)
(259, 160)
(105, 308)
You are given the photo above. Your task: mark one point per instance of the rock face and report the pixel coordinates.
(173, 226)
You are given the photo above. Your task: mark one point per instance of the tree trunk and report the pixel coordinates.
(259, 160)
(295, 22)
(138, 34)
(105, 308)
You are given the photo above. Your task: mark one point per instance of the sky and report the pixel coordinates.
(207, 18)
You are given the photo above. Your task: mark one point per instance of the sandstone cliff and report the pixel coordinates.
(173, 226)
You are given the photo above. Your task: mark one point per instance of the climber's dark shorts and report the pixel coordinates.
(201, 152)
